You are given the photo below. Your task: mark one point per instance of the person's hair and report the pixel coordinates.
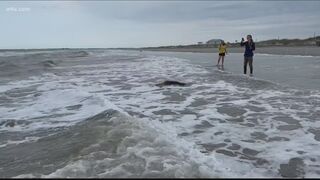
(250, 36)
(222, 42)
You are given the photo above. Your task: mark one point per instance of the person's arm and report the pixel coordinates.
(253, 46)
(242, 43)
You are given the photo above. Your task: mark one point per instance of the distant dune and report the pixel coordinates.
(305, 50)
(309, 47)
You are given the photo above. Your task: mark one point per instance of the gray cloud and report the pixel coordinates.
(153, 23)
(182, 11)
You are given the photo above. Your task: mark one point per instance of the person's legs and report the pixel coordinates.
(245, 62)
(222, 60)
(219, 60)
(250, 64)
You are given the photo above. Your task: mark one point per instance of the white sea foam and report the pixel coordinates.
(27, 139)
(157, 151)
(174, 117)
(53, 106)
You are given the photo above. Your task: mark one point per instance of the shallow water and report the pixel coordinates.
(295, 71)
(98, 113)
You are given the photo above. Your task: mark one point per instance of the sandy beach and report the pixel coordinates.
(304, 51)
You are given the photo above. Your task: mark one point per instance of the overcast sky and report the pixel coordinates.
(81, 24)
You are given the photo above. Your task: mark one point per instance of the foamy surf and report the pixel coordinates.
(128, 147)
(103, 116)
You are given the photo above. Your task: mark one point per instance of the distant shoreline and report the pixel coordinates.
(276, 50)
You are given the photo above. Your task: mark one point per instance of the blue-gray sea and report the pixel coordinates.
(98, 113)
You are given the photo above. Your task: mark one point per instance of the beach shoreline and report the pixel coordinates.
(302, 51)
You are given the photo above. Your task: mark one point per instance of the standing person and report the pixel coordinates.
(222, 52)
(248, 54)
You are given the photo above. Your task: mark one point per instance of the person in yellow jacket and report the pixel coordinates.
(222, 52)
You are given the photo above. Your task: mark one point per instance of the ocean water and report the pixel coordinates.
(98, 113)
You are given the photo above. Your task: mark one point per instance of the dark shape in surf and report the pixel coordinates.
(49, 63)
(171, 83)
(8, 123)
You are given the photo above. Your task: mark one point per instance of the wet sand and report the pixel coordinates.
(305, 51)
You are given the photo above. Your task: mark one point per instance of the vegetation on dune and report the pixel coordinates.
(313, 41)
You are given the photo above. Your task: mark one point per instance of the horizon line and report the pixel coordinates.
(60, 48)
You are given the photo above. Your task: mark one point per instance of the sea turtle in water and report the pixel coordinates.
(171, 83)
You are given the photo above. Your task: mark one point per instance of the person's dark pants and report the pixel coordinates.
(246, 61)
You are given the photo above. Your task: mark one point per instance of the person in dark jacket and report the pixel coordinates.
(248, 54)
